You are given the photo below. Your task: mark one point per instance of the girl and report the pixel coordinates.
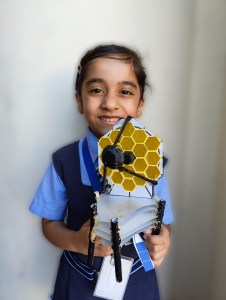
(109, 86)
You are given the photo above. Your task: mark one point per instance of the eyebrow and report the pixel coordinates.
(94, 80)
(131, 83)
(100, 80)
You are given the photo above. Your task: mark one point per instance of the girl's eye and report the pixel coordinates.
(96, 91)
(126, 92)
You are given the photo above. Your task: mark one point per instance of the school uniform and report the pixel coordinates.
(66, 193)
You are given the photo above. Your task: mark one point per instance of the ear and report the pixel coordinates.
(140, 108)
(79, 103)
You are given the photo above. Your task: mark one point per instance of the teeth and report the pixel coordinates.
(109, 119)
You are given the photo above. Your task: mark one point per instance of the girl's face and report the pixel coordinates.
(110, 92)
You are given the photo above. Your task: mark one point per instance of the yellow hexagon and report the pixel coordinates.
(129, 129)
(112, 136)
(152, 143)
(126, 143)
(152, 157)
(139, 136)
(153, 173)
(139, 181)
(139, 150)
(129, 185)
(117, 177)
(104, 142)
(139, 165)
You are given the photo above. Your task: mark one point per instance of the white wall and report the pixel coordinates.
(183, 44)
(200, 238)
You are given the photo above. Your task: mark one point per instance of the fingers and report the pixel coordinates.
(157, 240)
(101, 250)
(147, 232)
(157, 245)
(158, 257)
(161, 239)
(158, 253)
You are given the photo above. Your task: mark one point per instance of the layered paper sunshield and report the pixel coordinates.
(135, 214)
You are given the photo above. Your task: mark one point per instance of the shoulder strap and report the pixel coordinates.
(90, 168)
(65, 158)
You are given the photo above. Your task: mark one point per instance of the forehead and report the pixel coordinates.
(110, 69)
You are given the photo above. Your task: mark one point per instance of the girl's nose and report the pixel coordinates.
(110, 102)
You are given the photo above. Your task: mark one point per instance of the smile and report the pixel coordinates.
(110, 120)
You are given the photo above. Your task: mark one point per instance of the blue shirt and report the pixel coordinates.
(50, 200)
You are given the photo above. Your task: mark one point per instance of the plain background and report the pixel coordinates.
(183, 44)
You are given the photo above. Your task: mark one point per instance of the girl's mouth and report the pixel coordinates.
(110, 119)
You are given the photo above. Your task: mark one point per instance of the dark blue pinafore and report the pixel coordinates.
(74, 279)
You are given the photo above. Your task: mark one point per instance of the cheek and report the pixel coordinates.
(90, 108)
(135, 111)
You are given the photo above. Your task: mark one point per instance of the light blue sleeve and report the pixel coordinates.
(162, 190)
(50, 200)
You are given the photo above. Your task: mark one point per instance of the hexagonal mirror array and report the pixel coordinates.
(147, 151)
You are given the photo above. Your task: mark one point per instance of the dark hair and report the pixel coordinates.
(116, 52)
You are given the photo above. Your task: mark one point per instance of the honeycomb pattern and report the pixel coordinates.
(145, 147)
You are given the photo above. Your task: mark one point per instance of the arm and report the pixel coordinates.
(57, 233)
(158, 245)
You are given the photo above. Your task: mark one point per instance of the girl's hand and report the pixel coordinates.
(158, 245)
(82, 246)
